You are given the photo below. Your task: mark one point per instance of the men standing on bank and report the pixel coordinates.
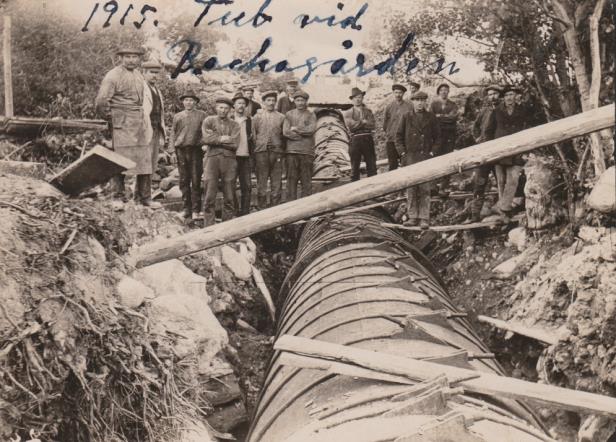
(393, 114)
(417, 140)
(299, 127)
(120, 100)
(269, 150)
(361, 124)
(186, 140)
(245, 151)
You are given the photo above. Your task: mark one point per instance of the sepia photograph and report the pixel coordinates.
(307, 221)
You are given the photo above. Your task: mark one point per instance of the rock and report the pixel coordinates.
(133, 293)
(518, 237)
(237, 263)
(246, 326)
(591, 235)
(191, 321)
(173, 278)
(223, 303)
(173, 193)
(168, 183)
(509, 267)
(195, 432)
(603, 198)
(248, 249)
(596, 428)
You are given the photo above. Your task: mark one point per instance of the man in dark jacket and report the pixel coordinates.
(446, 113)
(361, 124)
(252, 107)
(482, 173)
(244, 151)
(221, 134)
(417, 140)
(394, 112)
(506, 119)
(286, 102)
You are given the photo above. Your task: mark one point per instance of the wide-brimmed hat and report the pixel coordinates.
(398, 87)
(223, 100)
(419, 95)
(442, 85)
(151, 64)
(355, 92)
(266, 94)
(189, 95)
(301, 94)
(238, 96)
(129, 50)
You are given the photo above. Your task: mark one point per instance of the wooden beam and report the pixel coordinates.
(531, 332)
(8, 68)
(324, 353)
(375, 186)
(455, 227)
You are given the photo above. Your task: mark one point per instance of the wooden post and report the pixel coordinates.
(372, 187)
(327, 356)
(8, 66)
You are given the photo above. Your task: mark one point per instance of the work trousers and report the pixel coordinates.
(446, 144)
(143, 188)
(299, 168)
(362, 146)
(269, 168)
(117, 186)
(481, 176)
(219, 168)
(190, 167)
(244, 169)
(393, 157)
(511, 178)
(418, 202)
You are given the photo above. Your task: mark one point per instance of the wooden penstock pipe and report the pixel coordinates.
(382, 184)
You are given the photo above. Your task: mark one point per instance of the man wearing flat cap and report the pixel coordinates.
(252, 107)
(416, 141)
(222, 135)
(506, 119)
(269, 150)
(186, 140)
(153, 105)
(481, 174)
(299, 127)
(446, 112)
(361, 124)
(286, 102)
(120, 101)
(393, 114)
(245, 151)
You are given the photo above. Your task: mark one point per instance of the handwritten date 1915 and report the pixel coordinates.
(111, 7)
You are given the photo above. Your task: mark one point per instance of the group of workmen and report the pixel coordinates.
(244, 136)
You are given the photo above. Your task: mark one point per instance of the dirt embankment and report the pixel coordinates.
(96, 350)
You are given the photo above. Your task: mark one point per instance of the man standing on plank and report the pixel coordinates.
(120, 100)
(269, 150)
(393, 114)
(417, 140)
(222, 135)
(299, 127)
(361, 124)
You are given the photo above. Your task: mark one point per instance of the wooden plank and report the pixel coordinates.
(357, 209)
(23, 168)
(531, 332)
(375, 186)
(96, 167)
(477, 382)
(8, 68)
(33, 126)
(454, 227)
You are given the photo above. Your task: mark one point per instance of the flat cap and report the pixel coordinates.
(266, 94)
(442, 85)
(249, 87)
(419, 95)
(511, 88)
(129, 50)
(238, 96)
(151, 64)
(495, 88)
(398, 87)
(292, 82)
(301, 94)
(415, 85)
(190, 95)
(224, 100)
